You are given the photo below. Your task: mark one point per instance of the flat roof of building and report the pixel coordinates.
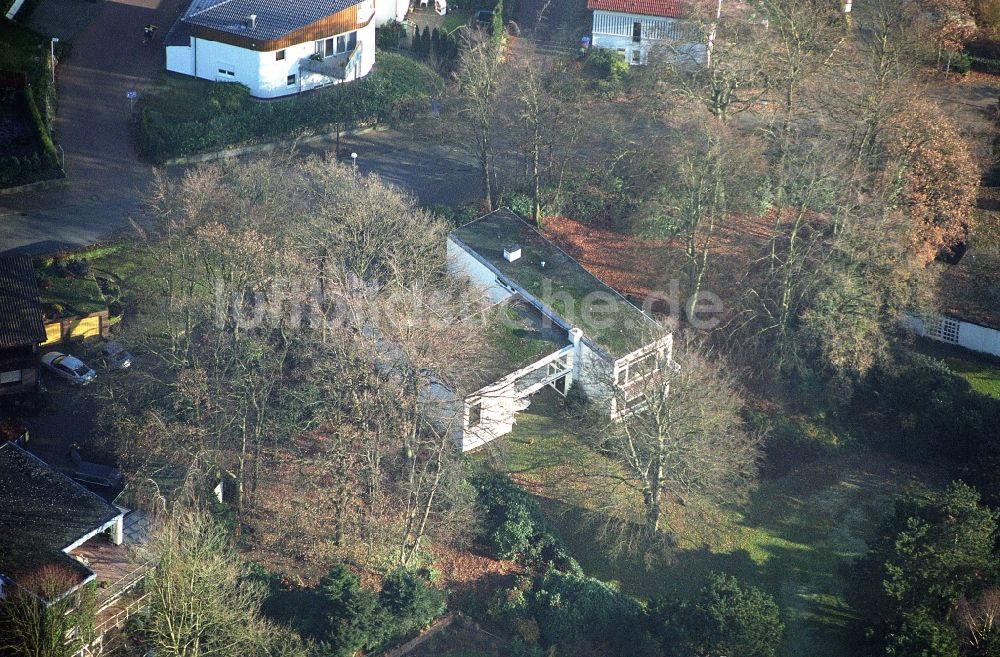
(547, 273)
(42, 512)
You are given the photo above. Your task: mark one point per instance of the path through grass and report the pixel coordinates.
(793, 539)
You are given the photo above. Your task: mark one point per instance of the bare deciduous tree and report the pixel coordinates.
(680, 439)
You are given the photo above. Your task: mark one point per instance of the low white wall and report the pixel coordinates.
(970, 336)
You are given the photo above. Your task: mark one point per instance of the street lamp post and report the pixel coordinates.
(354, 163)
(52, 56)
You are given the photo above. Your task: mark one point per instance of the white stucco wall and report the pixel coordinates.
(970, 336)
(262, 72)
(461, 263)
(613, 30)
(180, 59)
(389, 10)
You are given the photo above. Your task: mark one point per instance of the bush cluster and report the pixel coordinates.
(722, 618)
(915, 407)
(515, 529)
(609, 69)
(456, 215)
(575, 614)
(14, 169)
(389, 35)
(436, 46)
(398, 89)
(341, 618)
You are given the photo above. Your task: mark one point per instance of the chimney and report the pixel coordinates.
(252, 21)
(512, 252)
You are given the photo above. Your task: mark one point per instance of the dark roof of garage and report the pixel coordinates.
(20, 309)
(42, 512)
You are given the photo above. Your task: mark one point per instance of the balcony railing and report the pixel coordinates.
(334, 66)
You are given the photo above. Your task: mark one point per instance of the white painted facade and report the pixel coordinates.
(390, 10)
(281, 72)
(957, 332)
(634, 36)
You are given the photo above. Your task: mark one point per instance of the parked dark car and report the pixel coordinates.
(114, 355)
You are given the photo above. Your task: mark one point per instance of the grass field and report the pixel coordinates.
(454, 20)
(792, 540)
(982, 372)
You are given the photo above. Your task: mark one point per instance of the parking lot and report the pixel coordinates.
(63, 414)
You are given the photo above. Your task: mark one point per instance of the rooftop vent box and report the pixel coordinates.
(252, 21)
(512, 252)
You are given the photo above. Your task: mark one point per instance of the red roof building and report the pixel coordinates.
(664, 8)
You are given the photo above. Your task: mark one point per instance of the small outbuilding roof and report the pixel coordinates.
(662, 8)
(20, 308)
(273, 18)
(43, 512)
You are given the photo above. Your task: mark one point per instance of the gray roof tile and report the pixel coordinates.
(20, 308)
(41, 513)
(275, 18)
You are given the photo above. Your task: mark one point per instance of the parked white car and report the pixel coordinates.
(68, 367)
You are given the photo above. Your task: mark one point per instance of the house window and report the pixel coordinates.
(326, 47)
(636, 56)
(636, 32)
(228, 72)
(475, 414)
(280, 55)
(290, 81)
(347, 42)
(337, 45)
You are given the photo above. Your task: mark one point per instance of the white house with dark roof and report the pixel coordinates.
(275, 47)
(635, 28)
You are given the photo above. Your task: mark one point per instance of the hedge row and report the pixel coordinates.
(40, 125)
(399, 88)
(339, 617)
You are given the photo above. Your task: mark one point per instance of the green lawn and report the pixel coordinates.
(182, 116)
(792, 540)
(76, 296)
(454, 20)
(981, 371)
